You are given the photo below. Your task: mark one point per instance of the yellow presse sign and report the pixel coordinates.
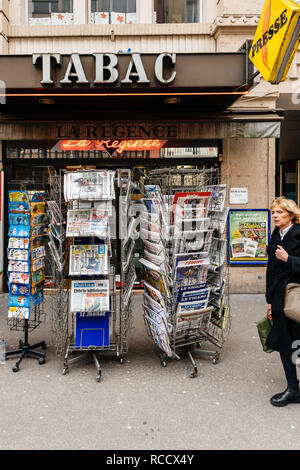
(276, 39)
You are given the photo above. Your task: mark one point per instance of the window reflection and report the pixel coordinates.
(113, 11)
(50, 12)
(177, 11)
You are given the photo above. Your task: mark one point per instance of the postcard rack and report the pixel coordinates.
(85, 265)
(26, 264)
(186, 297)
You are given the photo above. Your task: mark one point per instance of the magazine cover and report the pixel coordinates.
(18, 196)
(19, 219)
(88, 259)
(159, 335)
(38, 230)
(19, 312)
(38, 264)
(38, 252)
(196, 295)
(19, 208)
(37, 208)
(89, 185)
(190, 275)
(155, 294)
(155, 276)
(193, 200)
(18, 301)
(218, 197)
(19, 231)
(158, 317)
(185, 289)
(18, 266)
(38, 276)
(90, 296)
(87, 223)
(19, 289)
(131, 278)
(38, 219)
(22, 243)
(20, 255)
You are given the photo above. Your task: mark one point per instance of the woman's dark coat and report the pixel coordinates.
(279, 274)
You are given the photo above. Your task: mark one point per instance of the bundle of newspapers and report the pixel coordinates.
(184, 259)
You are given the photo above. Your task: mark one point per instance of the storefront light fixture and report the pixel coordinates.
(172, 100)
(46, 101)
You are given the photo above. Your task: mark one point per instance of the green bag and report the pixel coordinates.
(264, 327)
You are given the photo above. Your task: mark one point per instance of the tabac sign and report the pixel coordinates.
(276, 39)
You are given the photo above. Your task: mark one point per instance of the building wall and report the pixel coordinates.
(226, 25)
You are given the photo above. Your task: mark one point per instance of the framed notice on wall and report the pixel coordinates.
(248, 236)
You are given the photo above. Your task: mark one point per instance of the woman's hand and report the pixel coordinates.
(269, 312)
(281, 254)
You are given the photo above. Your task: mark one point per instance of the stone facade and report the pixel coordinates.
(225, 26)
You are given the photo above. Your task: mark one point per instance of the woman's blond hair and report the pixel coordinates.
(289, 205)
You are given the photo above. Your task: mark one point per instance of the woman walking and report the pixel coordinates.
(283, 268)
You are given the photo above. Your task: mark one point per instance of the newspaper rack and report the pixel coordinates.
(186, 280)
(89, 317)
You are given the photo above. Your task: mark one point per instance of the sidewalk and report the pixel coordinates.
(141, 405)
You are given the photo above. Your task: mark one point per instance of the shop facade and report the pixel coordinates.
(198, 100)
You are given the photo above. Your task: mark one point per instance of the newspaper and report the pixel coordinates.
(155, 276)
(218, 197)
(87, 223)
(88, 259)
(131, 278)
(159, 335)
(89, 185)
(90, 296)
(194, 300)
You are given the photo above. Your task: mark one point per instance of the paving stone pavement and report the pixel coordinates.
(141, 405)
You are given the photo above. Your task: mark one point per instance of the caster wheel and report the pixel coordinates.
(42, 361)
(193, 374)
(121, 360)
(98, 378)
(65, 371)
(44, 346)
(15, 369)
(163, 363)
(216, 360)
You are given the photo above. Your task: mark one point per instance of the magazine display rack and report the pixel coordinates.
(26, 265)
(85, 264)
(186, 298)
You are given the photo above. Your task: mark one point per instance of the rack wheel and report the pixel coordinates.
(15, 368)
(42, 361)
(193, 373)
(121, 360)
(98, 378)
(64, 371)
(216, 360)
(163, 363)
(44, 346)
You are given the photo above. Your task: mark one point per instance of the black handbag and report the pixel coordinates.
(264, 327)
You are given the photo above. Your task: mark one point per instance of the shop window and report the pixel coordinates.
(113, 12)
(44, 12)
(289, 179)
(177, 11)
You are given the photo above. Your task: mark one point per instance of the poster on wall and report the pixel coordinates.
(248, 236)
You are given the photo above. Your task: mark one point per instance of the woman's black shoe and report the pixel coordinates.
(290, 395)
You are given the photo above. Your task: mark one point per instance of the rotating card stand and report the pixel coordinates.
(35, 307)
